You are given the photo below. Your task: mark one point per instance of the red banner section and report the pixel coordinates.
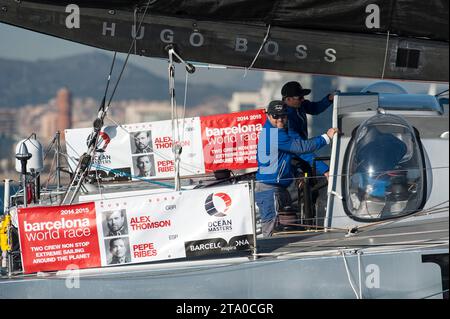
(230, 140)
(53, 238)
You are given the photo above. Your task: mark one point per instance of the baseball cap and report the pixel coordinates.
(277, 108)
(294, 88)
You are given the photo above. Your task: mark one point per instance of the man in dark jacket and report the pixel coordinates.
(275, 151)
(294, 97)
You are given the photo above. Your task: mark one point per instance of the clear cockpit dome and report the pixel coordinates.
(385, 170)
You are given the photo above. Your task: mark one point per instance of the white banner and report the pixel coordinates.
(139, 151)
(144, 150)
(174, 225)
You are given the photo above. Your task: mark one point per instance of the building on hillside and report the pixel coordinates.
(143, 111)
(243, 101)
(64, 110)
(8, 119)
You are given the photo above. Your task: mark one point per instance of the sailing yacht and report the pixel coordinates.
(378, 228)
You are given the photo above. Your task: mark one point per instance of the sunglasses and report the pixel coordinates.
(279, 116)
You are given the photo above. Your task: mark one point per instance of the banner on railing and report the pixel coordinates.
(230, 141)
(137, 229)
(144, 150)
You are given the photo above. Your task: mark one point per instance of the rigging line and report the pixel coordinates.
(347, 242)
(135, 31)
(49, 147)
(132, 176)
(354, 238)
(322, 228)
(322, 243)
(98, 184)
(399, 245)
(360, 274)
(391, 221)
(266, 37)
(348, 275)
(439, 94)
(45, 156)
(435, 294)
(196, 167)
(388, 222)
(108, 81)
(177, 118)
(128, 54)
(350, 174)
(92, 145)
(171, 73)
(427, 212)
(385, 54)
(184, 104)
(176, 145)
(51, 168)
(331, 250)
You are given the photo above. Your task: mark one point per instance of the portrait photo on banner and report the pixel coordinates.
(114, 223)
(144, 165)
(117, 250)
(141, 142)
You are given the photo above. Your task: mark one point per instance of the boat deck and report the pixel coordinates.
(389, 234)
(290, 260)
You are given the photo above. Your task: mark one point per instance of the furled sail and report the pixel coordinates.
(396, 39)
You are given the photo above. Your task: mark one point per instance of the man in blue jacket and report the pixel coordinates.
(294, 97)
(275, 172)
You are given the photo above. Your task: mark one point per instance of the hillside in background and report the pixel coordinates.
(24, 82)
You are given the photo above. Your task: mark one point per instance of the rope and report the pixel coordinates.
(51, 168)
(383, 223)
(128, 55)
(435, 294)
(360, 274)
(443, 92)
(101, 115)
(266, 37)
(348, 275)
(322, 243)
(135, 30)
(385, 54)
(432, 210)
(98, 184)
(184, 104)
(132, 176)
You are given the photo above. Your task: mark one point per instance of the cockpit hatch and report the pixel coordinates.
(384, 175)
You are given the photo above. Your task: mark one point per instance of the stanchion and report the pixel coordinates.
(253, 208)
(5, 225)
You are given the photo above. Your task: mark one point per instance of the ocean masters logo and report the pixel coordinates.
(102, 141)
(217, 204)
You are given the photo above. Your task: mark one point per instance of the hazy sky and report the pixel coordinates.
(21, 44)
(15, 43)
